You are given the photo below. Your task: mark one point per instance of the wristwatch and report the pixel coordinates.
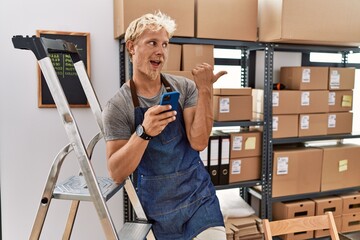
(140, 131)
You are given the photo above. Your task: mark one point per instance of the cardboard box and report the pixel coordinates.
(244, 169)
(220, 20)
(340, 101)
(232, 91)
(194, 54)
(314, 101)
(341, 78)
(245, 144)
(340, 123)
(304, 78)
(125, 11)
(244, 228)
(296, 170)
(286, 210)
(285, 126)
(232, 108)
(313, 124)
(332, 204)
(310, 21)
(340, 167)
(351, 203)
(293, 209)
(350, 222)
(283, 101)
(174, 60)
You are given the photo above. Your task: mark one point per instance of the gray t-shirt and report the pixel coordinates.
(118, 114)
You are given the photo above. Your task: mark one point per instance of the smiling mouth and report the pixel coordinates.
(155, 63)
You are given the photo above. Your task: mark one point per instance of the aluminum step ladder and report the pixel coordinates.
(86, 186)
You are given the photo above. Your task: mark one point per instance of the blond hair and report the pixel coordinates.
(153, 22)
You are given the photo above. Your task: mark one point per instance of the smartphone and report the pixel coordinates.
(171, 98)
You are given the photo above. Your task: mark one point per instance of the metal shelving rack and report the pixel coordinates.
(246, 188)
(344, 50)
(245, 48)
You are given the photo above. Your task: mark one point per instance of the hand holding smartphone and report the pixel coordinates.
(170, 98)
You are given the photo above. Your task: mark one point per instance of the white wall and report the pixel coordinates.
(31, 137)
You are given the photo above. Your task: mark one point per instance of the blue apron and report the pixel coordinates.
(173, 185)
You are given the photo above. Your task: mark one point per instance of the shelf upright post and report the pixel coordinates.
(344, 58)
(267, 132)
(244, 67)
(122, 54)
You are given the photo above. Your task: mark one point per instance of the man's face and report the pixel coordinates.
(150, 52)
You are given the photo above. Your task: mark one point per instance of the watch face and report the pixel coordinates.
(139, 130)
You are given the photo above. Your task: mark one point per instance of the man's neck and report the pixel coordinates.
(146, 86)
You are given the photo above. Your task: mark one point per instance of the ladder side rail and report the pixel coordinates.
(78, 145)
(89, 91)
(76, 203)
(48, 191)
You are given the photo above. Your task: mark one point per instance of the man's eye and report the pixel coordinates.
(152, 43)
(165, 45)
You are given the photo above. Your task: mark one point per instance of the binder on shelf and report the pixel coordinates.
(224, 158)
(213, 158)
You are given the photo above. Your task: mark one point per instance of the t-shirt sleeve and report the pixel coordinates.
(116, 123)
(191, 94)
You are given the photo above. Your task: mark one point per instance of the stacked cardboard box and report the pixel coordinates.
(184, 58)
(310, 22)
(311, 82)
(351, 212)
(245, 228)
(245, 156)
(125, 11)
(316, 101)
(296, 170)
(345, 209)
(232, 104)
(327, 204)
(292, 209)
(340, 167)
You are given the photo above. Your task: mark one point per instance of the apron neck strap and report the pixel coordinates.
(133, 90)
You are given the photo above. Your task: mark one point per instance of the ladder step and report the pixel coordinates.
(75, 188)
(134, 231)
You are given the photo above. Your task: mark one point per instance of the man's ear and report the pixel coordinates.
(130, 47)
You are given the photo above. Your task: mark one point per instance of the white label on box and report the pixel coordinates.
(225, 151)
(224, 105)
(282, 166)
(334, 79)
(275, 124)
(236, 167)
(305, 98)
(237, 144)
(275, 98)
(305, 78)
(305, 122)
(332, 121)
(332, 98)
